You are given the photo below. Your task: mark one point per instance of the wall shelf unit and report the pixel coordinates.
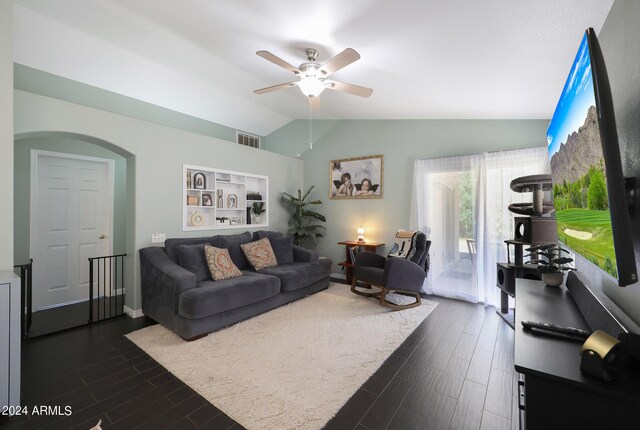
(219, 199)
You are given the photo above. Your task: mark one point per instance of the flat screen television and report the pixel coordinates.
(592, 214)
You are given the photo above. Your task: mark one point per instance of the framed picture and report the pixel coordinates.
(356, 178)
(232, 201)
(199, 181)
(235, 220)
(206, 200)
(192, 200)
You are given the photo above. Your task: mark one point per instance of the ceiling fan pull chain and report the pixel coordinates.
(310, 129)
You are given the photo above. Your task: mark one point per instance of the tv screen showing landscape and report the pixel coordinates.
(578, 169)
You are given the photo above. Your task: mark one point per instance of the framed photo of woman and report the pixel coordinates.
(356, 178)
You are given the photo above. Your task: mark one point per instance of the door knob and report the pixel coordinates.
(101, 236)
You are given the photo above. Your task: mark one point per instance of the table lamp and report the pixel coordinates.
(361, 234)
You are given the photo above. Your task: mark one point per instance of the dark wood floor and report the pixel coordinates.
(70, 316)
(454, 372)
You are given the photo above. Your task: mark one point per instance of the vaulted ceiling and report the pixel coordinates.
(428, 59)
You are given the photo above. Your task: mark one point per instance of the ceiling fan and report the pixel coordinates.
(313, 76)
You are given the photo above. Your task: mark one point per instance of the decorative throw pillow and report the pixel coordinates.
(220, 264)
(282, 248)
(192, 258)
(232, 242)
(405, 245)
(260, 254)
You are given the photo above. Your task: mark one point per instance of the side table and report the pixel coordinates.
(347, 263)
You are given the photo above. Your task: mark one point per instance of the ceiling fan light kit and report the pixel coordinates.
(313, 75)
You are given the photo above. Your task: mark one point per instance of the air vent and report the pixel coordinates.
(247, 140)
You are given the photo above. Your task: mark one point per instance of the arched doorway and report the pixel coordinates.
(60, 271)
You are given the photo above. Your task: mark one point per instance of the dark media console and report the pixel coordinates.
(553, 393)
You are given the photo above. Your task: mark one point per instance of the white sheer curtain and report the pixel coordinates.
(461, 204)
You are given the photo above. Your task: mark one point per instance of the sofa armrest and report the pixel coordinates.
(303, 255)
(370, 259)
(402, 274)
(162, 283)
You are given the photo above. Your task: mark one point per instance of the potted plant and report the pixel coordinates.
(551, 263)
(300, 224)
(258, 209)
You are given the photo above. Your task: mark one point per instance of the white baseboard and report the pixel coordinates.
(133, 313)
(338, 275)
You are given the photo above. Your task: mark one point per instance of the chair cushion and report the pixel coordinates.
(299, 275)
(214, 297)
(192, 258)
(232, 242)
(369, 275)
(283, 249)
(260, 254)
(220, 264)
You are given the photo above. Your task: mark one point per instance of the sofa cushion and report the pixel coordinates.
(260, 234)
(283, 249)
(172, 244)
(214, 297)
(220, 264)
(192, 258)
(298, 275)
(232, 242)
(260, 254)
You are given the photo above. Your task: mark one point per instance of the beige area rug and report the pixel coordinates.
(293, 367)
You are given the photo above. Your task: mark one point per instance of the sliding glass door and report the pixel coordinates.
(461, 204)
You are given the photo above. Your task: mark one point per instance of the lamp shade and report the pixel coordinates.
(311, 86)
(360, 234)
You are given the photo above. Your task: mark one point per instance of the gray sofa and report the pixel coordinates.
(178, 292)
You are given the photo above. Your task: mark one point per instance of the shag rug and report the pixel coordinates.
(293, 367)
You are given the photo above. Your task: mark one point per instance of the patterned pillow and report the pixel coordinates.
(220, 264)
(260, 254)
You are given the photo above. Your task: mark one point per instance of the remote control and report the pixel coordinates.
(555, 329)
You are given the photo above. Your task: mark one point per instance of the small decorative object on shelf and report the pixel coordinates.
(235, 220)
(551, 263)
(206, 200)
(199, 181)
(220, 199)
(192, 200)
(258, 209)
(252, 195)
(232, 201)
(189, 186)
(222, 220)
(197, 219)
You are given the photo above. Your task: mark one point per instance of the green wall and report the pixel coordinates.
(6, 134)
(400, 142)
(47, 84)
(155, 154)
(22, 183)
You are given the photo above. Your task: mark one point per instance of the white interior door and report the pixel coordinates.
(71, 220)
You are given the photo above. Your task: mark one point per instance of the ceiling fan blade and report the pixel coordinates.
(348, 88)
(278, 61)
(274, 88)
(314, 102)
(341, 60)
